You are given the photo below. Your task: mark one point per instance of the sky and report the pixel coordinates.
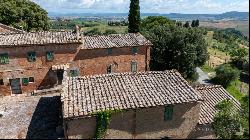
(147, 6)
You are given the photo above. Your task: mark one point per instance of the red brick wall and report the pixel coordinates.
(96, 61)
(89, 62)
(20, 67)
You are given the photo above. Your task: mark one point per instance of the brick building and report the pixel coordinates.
(37, 60)
(153, 104)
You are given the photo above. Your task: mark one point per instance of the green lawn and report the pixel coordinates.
(234, 89)
(207, 69)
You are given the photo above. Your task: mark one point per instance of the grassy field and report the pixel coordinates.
(238, 89)
(217, 57)
(242, 26)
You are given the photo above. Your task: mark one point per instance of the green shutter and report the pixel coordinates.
(135, 50)
(4, 58)
(110, 51)
(31, 56)
(133, 67)
(25, 81)
(74, 73)
(168, 114)
(50, 56)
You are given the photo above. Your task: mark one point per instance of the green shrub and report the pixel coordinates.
(225, 74)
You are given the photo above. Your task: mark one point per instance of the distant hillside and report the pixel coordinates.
(233, 15)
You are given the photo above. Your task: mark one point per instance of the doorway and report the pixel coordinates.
(15, 86)
(59, 76)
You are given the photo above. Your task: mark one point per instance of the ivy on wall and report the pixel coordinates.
(103, 121)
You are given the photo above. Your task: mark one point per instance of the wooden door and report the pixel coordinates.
(15, 86)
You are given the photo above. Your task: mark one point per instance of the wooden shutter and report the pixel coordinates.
(25, 81)
(110, 50)
(168, 114)
(133, 67)
(134, 50)
(4, 58)
(50, 56)
(31, 56)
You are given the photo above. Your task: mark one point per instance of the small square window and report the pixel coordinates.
(25, 81)
(134, 50)
(50, 56)
(4, 58)
(1, 82)
(31, 56)
(31, 79)
(110, 51)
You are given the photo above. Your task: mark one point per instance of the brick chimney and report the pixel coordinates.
(77, 31)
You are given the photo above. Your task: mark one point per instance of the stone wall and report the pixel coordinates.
(147, 123)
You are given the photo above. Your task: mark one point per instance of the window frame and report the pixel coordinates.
(1, 82)
(23, 81)
(28, 56)
(168, 113)
(4, 58)
(109, 51)
(111, 69)
(135, 50)
(76, 74)
(32, 81)
(134, 63)
(51, 52)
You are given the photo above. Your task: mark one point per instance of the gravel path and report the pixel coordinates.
(203, 77)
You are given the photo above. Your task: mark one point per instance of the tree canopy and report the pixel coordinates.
(23, 14)
(174, 47)
(134, 17)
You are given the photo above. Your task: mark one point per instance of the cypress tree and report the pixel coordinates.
(193, 24)
(134, 17)
(197, 23)
(186, 25)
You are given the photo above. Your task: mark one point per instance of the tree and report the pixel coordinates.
(134, 17)
(110, 31)
(179, 23)
(239, 56)
(197, 23)
(174, 47)
(225, 74)
(23, 14)
(245, 115)
(227, 121)
(94, 31)
(193, 24)
(186, 25)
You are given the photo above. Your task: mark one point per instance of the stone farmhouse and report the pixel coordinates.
(100, 73)
(37, 60)
(154, 105)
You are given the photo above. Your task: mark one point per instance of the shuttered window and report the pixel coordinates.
(109, 69)
(110, 51)
(31, 56)
(4, 58)
(1, 82)
(25, 81)
(50, 56)
(168, 114)
(133, 66)
(31, 79)
(134, 50)
(74, 73)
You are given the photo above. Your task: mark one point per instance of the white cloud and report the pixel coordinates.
(161, 6)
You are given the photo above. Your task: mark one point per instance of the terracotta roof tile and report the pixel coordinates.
(115, 40)
(212, 95)
(85, 95)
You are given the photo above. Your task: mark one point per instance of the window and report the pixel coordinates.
(110, 51)
(1, 82)
(134, 50)
(25, 81)
(74, 73)
(31, 56)
(4, 58)
(168, 114)
(50, 56)
(109, 69)
(31, 79)
(133, 67)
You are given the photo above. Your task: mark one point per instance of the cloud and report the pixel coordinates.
(149, 6)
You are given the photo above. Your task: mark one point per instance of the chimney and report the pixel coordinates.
(77, 31)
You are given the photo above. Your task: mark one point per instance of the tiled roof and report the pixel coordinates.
(212, 95)
(10, 29)
(115, 40)
(37, 38)
(85, 95)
